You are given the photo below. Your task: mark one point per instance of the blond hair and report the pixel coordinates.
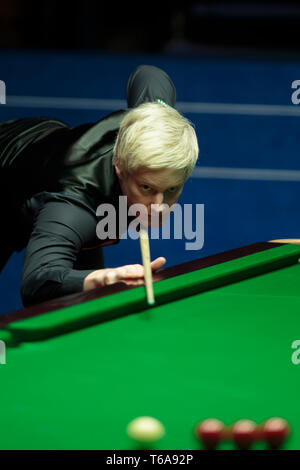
(155, 135)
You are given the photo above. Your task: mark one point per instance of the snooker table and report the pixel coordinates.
(217, 343)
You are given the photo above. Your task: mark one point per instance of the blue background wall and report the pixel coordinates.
(238, 210)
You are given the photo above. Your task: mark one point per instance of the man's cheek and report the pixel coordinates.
(172, 200)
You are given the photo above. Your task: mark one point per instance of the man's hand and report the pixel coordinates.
(131, 274)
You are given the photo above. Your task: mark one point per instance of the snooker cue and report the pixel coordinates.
(294, 241)
(145, 251)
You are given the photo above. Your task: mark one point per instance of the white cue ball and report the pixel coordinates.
(145, 429)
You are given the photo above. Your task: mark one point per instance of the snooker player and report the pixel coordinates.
(53, 177)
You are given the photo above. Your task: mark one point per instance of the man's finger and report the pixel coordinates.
(111, 277)
(158, 263)
(132, 271)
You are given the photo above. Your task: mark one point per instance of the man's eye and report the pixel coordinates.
(173, 189)
(146, 188)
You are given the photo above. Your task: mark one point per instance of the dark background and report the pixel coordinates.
(187, 27)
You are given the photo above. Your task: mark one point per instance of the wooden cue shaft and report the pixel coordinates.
(295, 241)
(145, 251)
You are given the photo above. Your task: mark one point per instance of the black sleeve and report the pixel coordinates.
(61, 229)
(148, 83)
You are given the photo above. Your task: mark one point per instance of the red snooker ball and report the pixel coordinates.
(244, 433)
(275, 431)
(210, 432)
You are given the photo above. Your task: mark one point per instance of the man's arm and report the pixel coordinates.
(61, 229)
(148, 83)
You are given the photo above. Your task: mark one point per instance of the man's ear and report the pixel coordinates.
(118, 171)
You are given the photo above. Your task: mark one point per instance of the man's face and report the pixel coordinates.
(151, 186)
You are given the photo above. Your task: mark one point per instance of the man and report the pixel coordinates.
(53, 178)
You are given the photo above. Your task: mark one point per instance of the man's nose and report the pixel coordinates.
(158, 199)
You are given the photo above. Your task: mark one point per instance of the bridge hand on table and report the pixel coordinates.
(131, 274)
